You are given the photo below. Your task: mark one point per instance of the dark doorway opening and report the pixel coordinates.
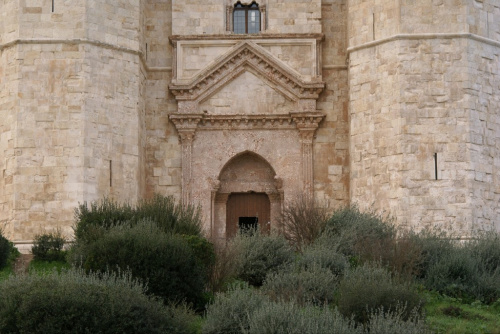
(248, 224)
(247, 210)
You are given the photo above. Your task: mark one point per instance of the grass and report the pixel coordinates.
(6, 272)
(451, 315)
(44, 267)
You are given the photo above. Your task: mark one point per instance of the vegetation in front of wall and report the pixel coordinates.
(92, 220)
(49, 247)
(83, 303)
(356, 273)
(8, 256)
(449, 315)
(165, 261)
(5, 250)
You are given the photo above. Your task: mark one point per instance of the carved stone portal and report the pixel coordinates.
(246, 123)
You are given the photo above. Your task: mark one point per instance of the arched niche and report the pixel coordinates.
(251, 188)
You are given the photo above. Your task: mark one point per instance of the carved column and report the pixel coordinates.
(307, 123)
(306, 139)
(187, 137)
(214, 188)
(186, 126)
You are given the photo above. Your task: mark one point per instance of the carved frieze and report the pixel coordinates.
(305, 122)
(247, 55)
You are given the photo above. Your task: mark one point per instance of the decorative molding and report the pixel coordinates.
(423, 36)
(304, 121)
(335, 67)
(246, 55)
(242, 37)
(78, 41)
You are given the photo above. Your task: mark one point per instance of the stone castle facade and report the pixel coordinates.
(241, 106)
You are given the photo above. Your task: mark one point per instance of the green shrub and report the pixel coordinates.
(364, 236)
(289, 318)
(312, 284)
(49, 247)
(394, 323)
(486, 248)
(434, 245)
(5, 249)
(170, 216)
(203, 250)
(166, 262)
(93, 221)
(228, 314)
(454, 274)
(245, 310)
(258, 254)
(367, 288)
(72, 302)
(323, 256)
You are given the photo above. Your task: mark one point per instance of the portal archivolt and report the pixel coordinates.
(249, 190)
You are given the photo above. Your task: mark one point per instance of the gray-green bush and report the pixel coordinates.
(367, 288)
(229, 312)
(313, 284)
(245, 310)
(49, 247)
(5, 249)
(467, 270)
(257, 255)
(393, 322)
(325, 256)
(72, 302)
(166, 262)
(92, 221)
(290, 318)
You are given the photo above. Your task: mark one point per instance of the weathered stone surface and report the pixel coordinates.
(349, 100)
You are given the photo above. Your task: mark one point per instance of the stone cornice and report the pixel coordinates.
(231, 36)
(301, 121)
(246, 55)
(77, 41)
(399, 37)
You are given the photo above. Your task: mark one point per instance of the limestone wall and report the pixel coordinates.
(198, 18)
(9, 21)
(331, 146)
(38, 21)
(416, 97)
(299, 16)
(483, 18)
(482, 94)
(372, 20)
(48, 173)
(78, 99)
(8, 107)
(162, 156)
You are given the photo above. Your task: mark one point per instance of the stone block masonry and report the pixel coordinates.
(352, 101)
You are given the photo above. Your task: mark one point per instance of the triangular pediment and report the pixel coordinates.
(247, 56)
(248, 94)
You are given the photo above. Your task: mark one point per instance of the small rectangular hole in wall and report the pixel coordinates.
(110, 173)
(146, 51)
(53, 6)
(436, 165)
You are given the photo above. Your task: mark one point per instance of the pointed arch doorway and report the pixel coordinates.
(249, 195)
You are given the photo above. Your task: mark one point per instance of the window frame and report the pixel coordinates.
(230, 16)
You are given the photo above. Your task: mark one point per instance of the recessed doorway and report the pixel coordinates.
(247, 211)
